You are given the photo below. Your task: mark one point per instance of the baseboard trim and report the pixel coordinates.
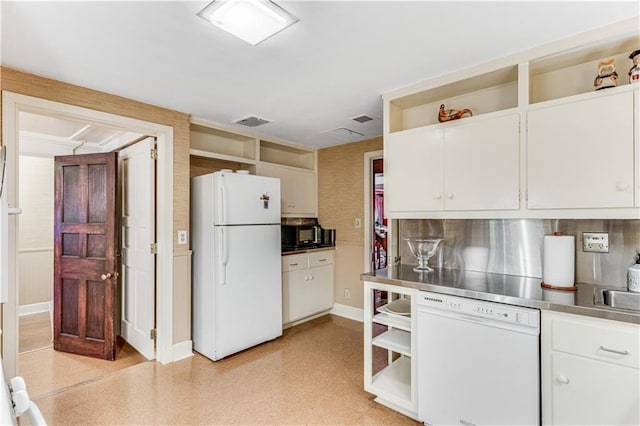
(346, 311)
(34, 308)
(182, 350)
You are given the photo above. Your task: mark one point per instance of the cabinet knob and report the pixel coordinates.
(449, 195)
(438, 196)
(563, 379)
(311, 277)
(620, 186)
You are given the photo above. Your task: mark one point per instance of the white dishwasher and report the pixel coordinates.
(478, 362)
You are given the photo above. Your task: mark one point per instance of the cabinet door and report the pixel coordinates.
(413, 171)
(481, 167)
(320, 288)
(294, 295)
(297, 188)
(580, 154)
(302, 184)
(588, 392)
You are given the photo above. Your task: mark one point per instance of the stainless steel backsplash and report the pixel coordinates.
(514, 246)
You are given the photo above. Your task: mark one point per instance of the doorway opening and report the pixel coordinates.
(23, 146)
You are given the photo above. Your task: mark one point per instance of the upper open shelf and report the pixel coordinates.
(572, 72)
(493, 91)
(286, 155)
(216, 143)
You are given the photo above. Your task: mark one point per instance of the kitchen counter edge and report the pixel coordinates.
(597, 311)
(309, 250)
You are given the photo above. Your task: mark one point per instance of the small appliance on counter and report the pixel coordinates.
(633, 276)
(305, 233)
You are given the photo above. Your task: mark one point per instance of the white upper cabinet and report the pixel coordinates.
(541, 143)
(297, 189)
(481, 170)
(414, 171)
(461, 167)
(581, 154)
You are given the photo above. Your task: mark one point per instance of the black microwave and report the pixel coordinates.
(301, 235)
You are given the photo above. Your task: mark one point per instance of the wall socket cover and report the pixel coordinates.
(595, 242)
(182, 237)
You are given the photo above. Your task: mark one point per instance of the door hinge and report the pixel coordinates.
(154, 248)
(154, 153)
(153, 334)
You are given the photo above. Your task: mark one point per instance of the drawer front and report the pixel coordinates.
(294, 262)
(611, 341)
(321, 258)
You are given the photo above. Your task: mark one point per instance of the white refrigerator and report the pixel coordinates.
(237, 280)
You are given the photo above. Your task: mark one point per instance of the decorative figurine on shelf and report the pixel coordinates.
(607, 75)
(452, 114)
(634, 72)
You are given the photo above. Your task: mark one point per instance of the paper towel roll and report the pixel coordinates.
(558, 263)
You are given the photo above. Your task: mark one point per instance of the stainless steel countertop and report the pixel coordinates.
(509, 289)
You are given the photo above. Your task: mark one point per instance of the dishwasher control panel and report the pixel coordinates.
(480, 308)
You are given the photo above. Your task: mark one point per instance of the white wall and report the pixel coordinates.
(36, 230)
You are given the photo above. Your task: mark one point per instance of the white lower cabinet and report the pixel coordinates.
(390, 366)
(307, 284)
(590, 371)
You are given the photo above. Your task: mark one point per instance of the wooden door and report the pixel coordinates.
(85, 246)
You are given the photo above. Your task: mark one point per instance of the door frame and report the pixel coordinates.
(12, 105)
(368, 201)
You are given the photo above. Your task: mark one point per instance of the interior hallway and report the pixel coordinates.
(311, 375)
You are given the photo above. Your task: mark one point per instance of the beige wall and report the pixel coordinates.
(44, 88)
(340, 202)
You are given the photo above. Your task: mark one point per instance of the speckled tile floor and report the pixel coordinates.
(313, 374)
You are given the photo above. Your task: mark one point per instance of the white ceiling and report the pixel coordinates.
(329, 67)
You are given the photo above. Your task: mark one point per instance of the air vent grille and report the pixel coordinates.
(252, 121)
(363, 118)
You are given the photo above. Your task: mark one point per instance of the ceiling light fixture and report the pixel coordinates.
(251, 20)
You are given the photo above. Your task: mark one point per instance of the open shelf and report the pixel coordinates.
(394, 340)
(572, 72)
(391, 320)
(490, 92)
(215, 143)
(395, 380)
(285, 155)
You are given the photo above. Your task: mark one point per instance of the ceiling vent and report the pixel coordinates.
(363, 118)
(252, 121)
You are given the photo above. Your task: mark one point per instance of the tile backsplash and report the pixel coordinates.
(514, 246)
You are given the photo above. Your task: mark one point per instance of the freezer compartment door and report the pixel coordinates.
(246, 199)
(248, 288)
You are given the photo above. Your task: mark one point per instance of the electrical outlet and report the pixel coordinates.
(357, 222)
(182, 237)
(596, 242)
(347, 293)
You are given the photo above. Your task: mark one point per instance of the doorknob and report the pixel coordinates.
(108, 275)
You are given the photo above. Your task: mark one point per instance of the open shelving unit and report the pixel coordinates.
(390, 342)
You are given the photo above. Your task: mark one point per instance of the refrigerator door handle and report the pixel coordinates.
(222, 219)
(225, 255)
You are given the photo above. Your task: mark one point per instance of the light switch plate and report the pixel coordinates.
(596, 242)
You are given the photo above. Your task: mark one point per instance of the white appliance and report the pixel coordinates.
(237, 280)
(478, 362)
(15, 402)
